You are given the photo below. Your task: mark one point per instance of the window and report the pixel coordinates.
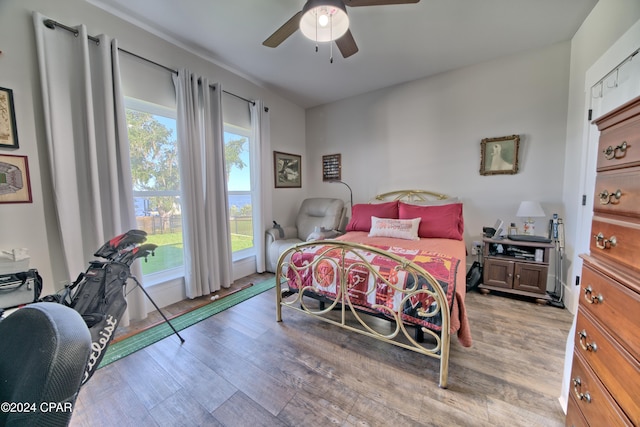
(237, 142)
(156, 186)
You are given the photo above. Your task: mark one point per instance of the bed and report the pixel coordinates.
(402, 259)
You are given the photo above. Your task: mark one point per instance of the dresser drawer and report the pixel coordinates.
(617, 241)
(595, 403)
(574, 416)
(614, 306)
(618, 192)
(612, 364)
(619, 145)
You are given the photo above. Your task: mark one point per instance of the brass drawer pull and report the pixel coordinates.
(592, 299)
(602, 243)
(582, 335)
(606, 197)
(577, 383)
(610, 152)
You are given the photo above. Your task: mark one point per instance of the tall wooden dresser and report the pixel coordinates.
(605, 378)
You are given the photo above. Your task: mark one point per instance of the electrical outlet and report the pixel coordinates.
(476, 247)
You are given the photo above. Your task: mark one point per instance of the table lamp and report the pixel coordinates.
(530, 210)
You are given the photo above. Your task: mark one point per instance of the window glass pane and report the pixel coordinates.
(156, 185)
(237, 157)
(164, 228)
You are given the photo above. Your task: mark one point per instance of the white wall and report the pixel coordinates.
(426, 134)
(33, 225)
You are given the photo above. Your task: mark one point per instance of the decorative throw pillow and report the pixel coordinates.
(361, 214)
(443, 222)
(398, 228)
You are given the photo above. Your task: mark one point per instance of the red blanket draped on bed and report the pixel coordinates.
(442, 266)
(454, 248)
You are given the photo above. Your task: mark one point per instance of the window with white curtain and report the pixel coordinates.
(156, 186)
(237, 141)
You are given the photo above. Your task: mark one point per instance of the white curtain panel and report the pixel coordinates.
(87, 145)
(206, 233)
(261, 162)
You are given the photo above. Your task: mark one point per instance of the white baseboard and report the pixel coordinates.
(244, 267)
(571, 296)
(172, 291)
(166, 293)
(563, 403)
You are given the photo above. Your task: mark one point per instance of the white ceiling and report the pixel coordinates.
(397, 43)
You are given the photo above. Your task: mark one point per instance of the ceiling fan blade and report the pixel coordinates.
(357, 3)
(282, 33)
(347, 44)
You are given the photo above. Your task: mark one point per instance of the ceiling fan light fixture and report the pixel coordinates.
(324, 20)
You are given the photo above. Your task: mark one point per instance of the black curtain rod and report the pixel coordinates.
(50, 23)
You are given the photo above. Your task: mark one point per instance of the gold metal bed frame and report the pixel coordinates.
(335, 252)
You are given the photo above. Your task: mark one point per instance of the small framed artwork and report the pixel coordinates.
(499, 156)
(8, 133)
(332, 167)
(287, 169)
(15, 186)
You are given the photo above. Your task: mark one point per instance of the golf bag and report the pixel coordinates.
(98, 293)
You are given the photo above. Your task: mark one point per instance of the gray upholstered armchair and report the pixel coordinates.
(324, 213)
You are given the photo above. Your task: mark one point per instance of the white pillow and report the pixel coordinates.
(398, 228)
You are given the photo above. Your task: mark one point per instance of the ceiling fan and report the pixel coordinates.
(326, 21)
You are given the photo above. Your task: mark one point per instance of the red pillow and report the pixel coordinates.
(443, 222)
(361, 214)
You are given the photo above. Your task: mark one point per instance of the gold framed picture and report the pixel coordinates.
(499, 156)
(15, 186)
(8, 132)
(288, 170)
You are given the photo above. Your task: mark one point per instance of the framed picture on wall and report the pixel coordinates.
(8, 133)
(287, 169)
(331, 167)
(499, 156)
(15, 186)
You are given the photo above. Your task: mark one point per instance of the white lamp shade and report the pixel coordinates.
(324, 20)
(530, 209)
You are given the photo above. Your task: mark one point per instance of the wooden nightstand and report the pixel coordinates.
(512, 267)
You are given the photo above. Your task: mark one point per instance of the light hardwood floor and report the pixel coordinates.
(242, 368)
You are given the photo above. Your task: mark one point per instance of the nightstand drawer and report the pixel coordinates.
(499, 273)
(530, 277)
(614, 306)
(595, 403)
(611, 363)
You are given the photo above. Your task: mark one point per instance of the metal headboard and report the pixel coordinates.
(411, 196)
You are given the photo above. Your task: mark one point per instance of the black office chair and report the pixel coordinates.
(44, 348)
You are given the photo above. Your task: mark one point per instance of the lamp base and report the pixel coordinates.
(529, 228)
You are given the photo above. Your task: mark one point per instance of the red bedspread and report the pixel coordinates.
(444, 266)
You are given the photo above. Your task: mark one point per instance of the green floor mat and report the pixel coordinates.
(154, 334)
